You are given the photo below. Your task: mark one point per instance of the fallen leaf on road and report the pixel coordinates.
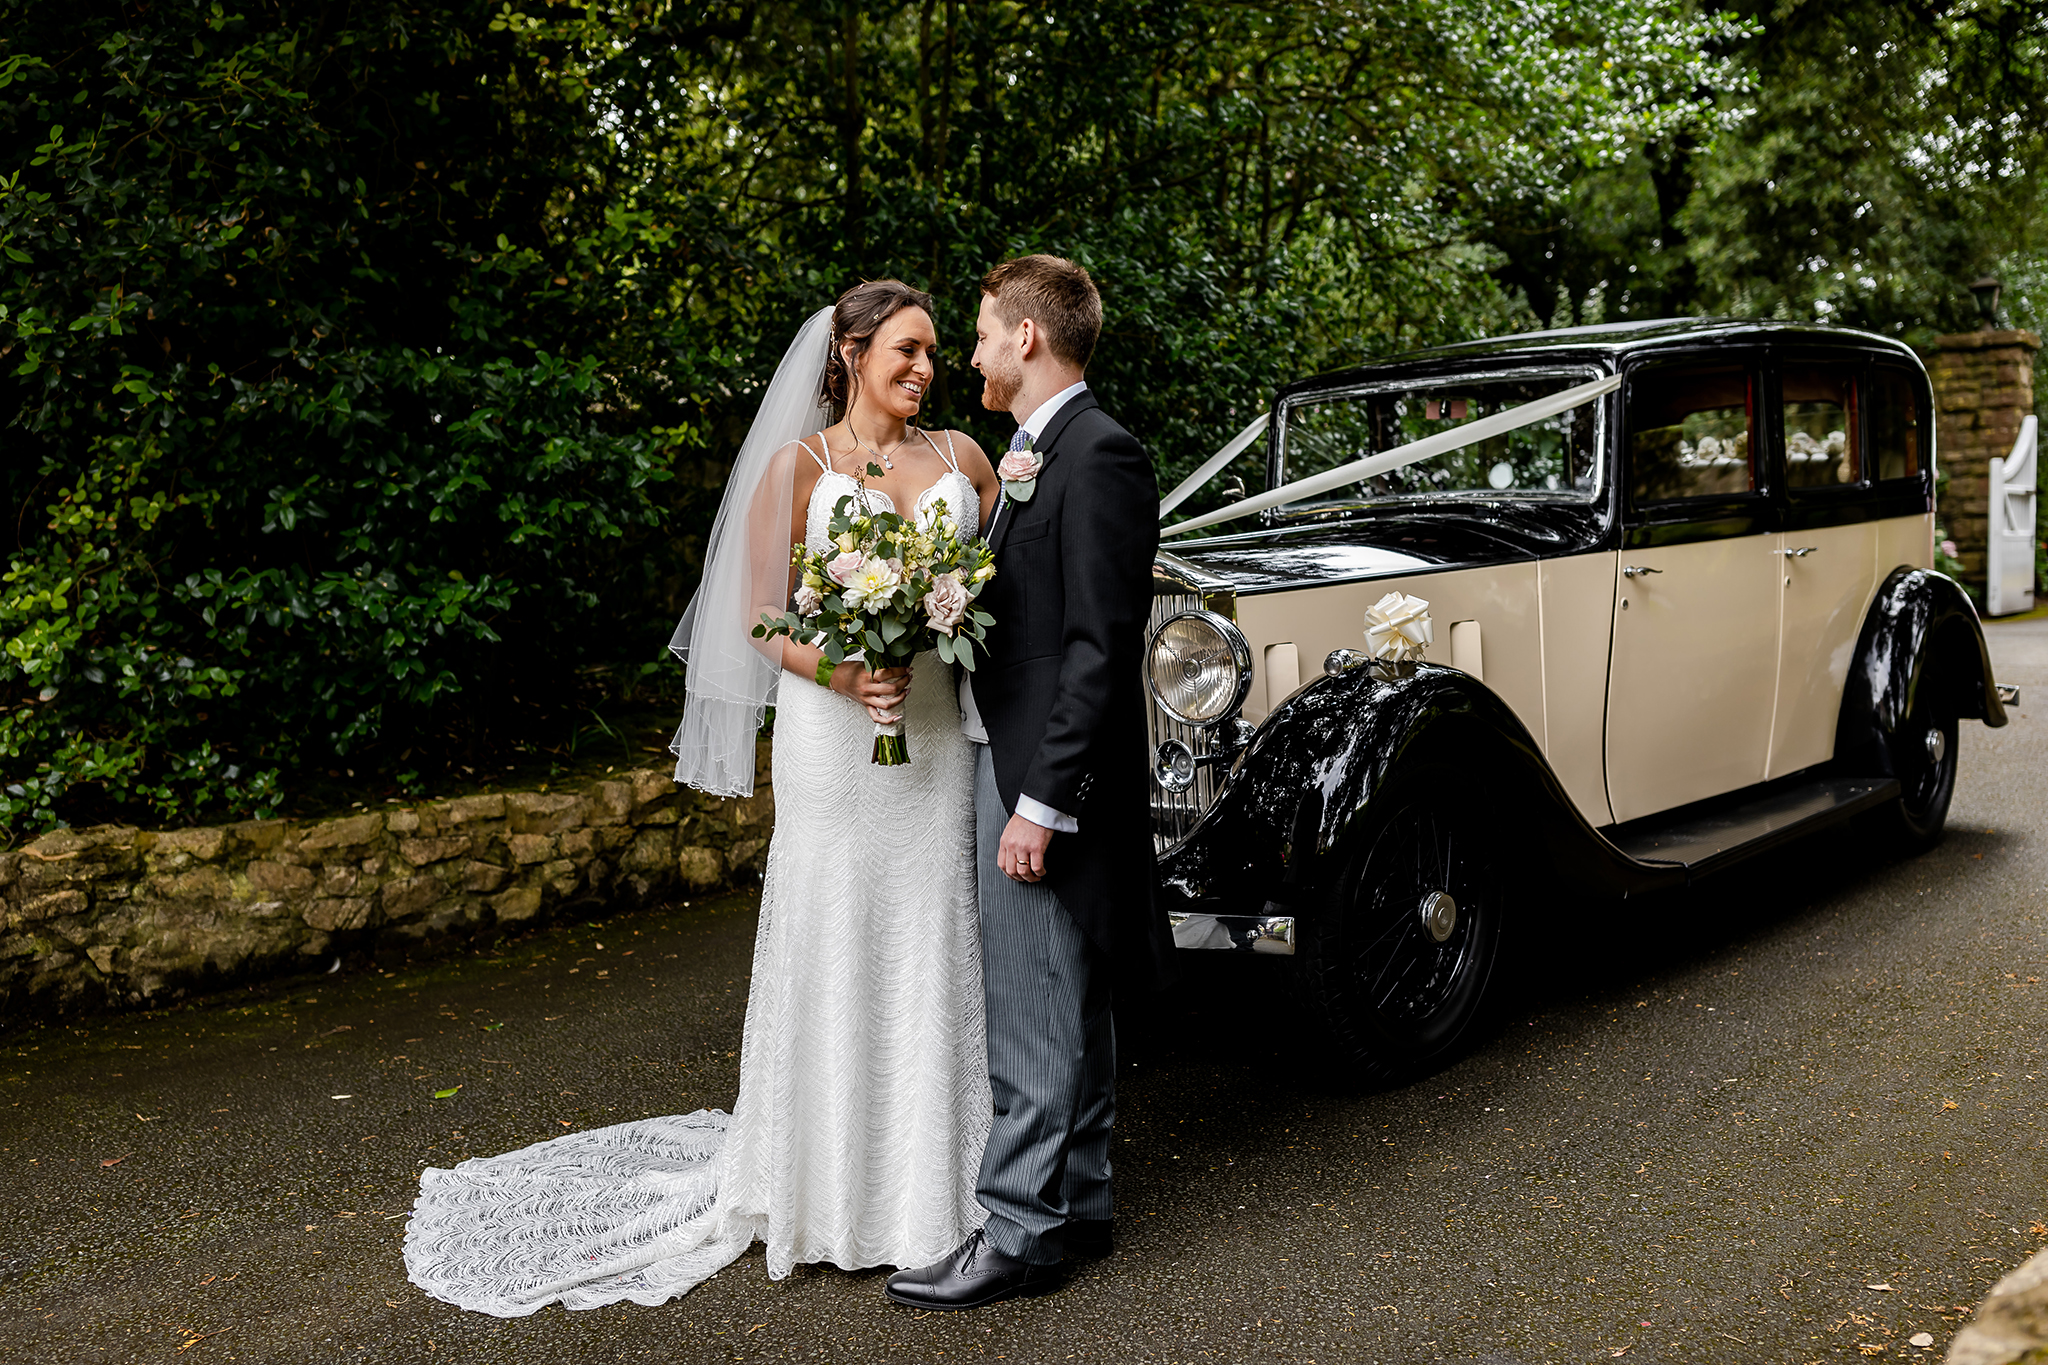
(446, 1094)
(113, 1161)
(1618, 1351)
(1950, 1104)
(1885, 1287)
(1921, 1339)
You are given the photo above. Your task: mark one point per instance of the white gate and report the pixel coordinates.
(2009, 553)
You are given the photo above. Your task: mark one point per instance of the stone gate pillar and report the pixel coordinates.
(1983, 390)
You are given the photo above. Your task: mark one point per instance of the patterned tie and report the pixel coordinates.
(1020, 441)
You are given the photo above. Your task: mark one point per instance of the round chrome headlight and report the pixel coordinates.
(1200, 667)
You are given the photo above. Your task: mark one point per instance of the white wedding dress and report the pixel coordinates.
(864, 1095)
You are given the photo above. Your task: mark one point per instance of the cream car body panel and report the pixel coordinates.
(1692, 674)
(1577, 596)
(1501, 598)
(1904, 540)
(1827, 576)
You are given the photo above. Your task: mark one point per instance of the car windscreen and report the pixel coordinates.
(1551, 458)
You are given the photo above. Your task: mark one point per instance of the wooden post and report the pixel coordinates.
(1983, 392)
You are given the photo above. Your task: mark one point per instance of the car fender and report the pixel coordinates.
(1918, 617)
(1286, 819)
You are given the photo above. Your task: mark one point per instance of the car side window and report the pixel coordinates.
(1821, 446)
(1691, 433)
(1893, 423)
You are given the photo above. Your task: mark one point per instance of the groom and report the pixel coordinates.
(1065, 859)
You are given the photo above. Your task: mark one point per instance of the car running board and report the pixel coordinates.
(1708, 842)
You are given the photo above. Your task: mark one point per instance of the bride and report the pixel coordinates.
(864, 1094)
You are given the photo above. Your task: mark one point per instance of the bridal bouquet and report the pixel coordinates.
(889, 589)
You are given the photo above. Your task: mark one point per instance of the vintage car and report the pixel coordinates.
(1681, 620)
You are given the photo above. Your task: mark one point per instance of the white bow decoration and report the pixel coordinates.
(1397, 628)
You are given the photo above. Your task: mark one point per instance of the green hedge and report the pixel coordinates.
(287, 463)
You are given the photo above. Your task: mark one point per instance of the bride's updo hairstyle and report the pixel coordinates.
(860, 313)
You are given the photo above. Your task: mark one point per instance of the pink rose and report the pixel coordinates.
(1948, 547)
(1020, 465)
(945, 606)
(844, 566)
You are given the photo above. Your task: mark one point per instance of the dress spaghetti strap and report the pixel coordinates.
(822, 464)
(946, 454)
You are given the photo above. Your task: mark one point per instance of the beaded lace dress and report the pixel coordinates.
(864, 1098)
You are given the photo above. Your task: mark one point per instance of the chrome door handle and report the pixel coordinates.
(1800, 553)
(1636, 571)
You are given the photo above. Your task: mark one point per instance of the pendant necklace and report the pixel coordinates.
(863, 445)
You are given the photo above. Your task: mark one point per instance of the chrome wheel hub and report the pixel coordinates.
(1937, 746)
(1439, 915)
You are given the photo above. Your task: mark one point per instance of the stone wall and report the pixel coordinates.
(113, 916)
(1983, 390)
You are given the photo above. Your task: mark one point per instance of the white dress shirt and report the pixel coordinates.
(1037, 812)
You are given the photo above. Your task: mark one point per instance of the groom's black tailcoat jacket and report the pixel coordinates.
(1061, 691)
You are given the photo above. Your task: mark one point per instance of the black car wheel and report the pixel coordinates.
(1397, 963)
(1923, 758)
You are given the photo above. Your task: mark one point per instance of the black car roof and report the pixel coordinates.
(1605, 341)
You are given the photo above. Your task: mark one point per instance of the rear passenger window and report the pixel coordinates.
(1820, 426)
(1691, 434)
(1894, 424)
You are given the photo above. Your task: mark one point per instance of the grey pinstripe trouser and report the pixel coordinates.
(1051, 1053)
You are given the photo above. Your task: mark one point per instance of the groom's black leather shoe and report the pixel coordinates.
(975, 1274)
(1088, 1239)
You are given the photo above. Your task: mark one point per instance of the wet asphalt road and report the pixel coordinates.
(1792, 1117)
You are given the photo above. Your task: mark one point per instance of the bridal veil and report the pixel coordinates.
(732, 676)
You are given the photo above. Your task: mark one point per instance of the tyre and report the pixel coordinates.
(1396, 966)
(1922, 751)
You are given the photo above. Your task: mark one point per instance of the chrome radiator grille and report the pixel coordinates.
(1174, 813)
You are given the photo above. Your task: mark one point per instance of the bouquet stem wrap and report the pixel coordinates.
(891, 747)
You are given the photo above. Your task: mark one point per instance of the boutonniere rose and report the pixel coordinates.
(1019, 473)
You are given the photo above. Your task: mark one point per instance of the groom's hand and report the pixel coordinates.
(1022, 852)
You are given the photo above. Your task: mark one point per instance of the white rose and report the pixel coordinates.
(808, 602)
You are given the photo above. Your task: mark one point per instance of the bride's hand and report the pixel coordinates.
(882, 693)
